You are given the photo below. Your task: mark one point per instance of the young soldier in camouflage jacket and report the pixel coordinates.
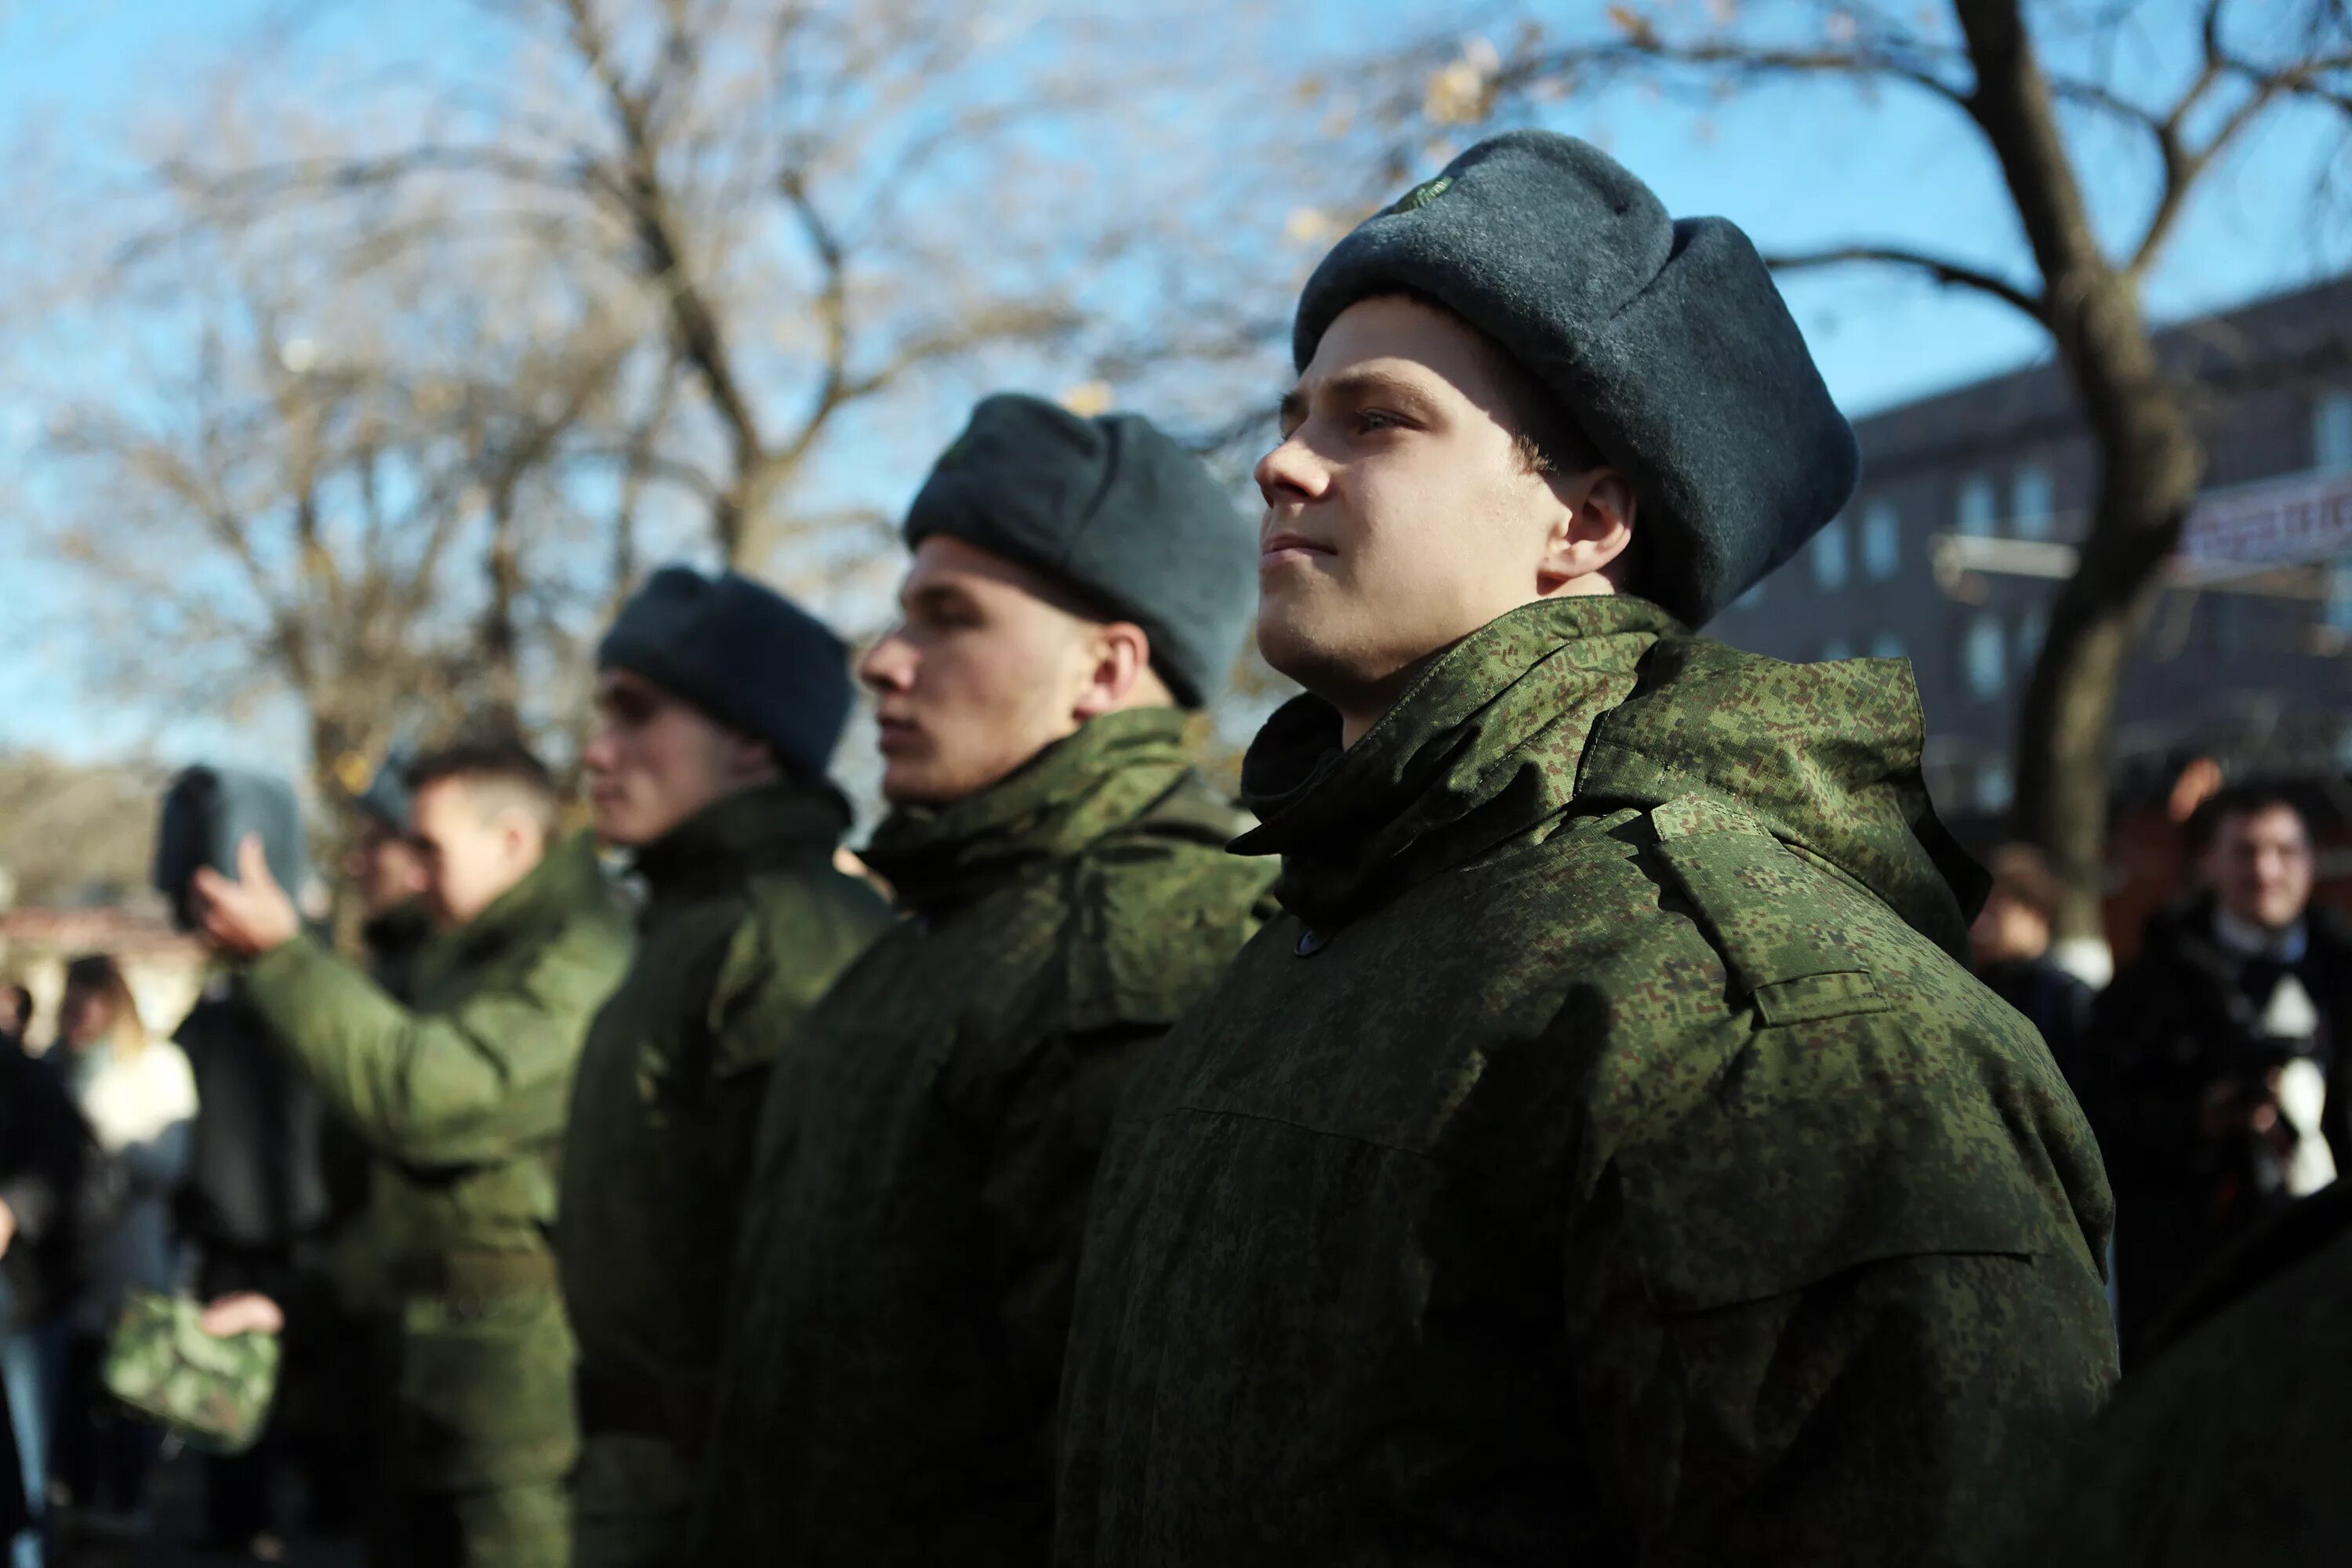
(931, 1128)
(460, 1090)
(718, 705)
(1607, 1157)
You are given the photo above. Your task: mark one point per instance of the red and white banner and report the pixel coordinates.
(2273, 522)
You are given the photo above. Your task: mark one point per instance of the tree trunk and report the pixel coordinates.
(502, 645)
(2149, 463)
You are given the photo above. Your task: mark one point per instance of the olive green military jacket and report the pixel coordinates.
(462, 1095)
(1605, 1159)
(746, 923)
(925, 1154)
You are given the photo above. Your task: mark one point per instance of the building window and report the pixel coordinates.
(1985, 656)
(1882, 540)
(1829, 555)
(2331, 432)
(1993, 789)
(1887, 645)
(2336, 611)
(2029, 511)
(1836, 648)
(2032, 631)
(1980, 506)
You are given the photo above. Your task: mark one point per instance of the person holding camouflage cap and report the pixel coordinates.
(718, 704)
(1606, 1157)
(461, 1091)
(930, 1133)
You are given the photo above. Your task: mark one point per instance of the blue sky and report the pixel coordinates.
(1798, 168)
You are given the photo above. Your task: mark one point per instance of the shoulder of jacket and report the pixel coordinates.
(1790, 930)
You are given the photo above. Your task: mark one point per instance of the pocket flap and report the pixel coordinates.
(1779, 926)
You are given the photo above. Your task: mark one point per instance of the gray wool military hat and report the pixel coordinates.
(744, 654)
(1665, 341)
(1115, 509)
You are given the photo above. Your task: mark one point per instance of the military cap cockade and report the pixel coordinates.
(744, 654)
(1116, 511)
(1665, 341)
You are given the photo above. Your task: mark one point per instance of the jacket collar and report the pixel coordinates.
(1484, 745)
(741, 835)
(1051, 807)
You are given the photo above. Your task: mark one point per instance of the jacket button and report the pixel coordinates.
(1310, 941)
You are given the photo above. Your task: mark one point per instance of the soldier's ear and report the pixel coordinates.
(1119, 673)
(1588, 541)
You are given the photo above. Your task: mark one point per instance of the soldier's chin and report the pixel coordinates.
(1297, 643)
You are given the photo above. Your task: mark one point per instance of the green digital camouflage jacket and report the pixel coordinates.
(746, 924)
(2229, 1447)
(926, 1150)
(1607, 1157)
(462, 1095)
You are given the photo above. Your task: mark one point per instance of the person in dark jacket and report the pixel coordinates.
(2217, 1069)
(2010, 939)
(45, 1149)
(2228, 1447)
(718, 703)
(255, 1193)
(928, 1142)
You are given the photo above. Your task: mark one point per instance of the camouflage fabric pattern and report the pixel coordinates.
(1606, 1157)
(746, 924)
(928, 1148)
(2227, 1449)
(462, 1094)
(214, 1392)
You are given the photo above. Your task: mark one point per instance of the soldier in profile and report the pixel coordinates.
(923, 1163)
(460, 1090)
(1606, 1156)
(718, 707)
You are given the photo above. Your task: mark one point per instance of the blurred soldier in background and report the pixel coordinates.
(931, 1130)
(2215, 1062)
(718, 705)
(462, 1093)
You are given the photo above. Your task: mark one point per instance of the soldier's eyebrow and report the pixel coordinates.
(1291, 412)
(937, 597)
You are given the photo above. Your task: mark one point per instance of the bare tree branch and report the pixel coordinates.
(1951, 273)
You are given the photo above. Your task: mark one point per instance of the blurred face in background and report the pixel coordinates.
(85, 1017)
(477, 838)
(384, 866)
(988, 666)
(2260, 866)
(2009, 929)
(656, 761)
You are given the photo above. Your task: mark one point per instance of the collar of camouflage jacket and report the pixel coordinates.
(750, 831)
(1051, 807)
(1604, 703)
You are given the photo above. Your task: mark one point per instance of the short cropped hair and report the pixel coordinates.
(2241, 800)
(499, 774)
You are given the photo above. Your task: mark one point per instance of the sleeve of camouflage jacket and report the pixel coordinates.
(1855, 1323)
(463, 1086)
